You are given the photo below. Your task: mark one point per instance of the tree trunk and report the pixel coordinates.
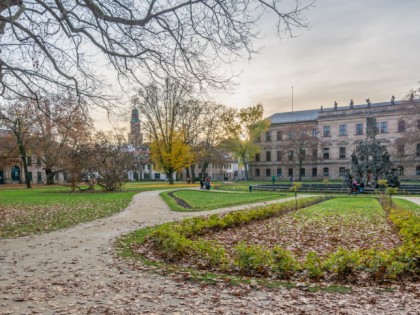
(245, 162)
(203, 172)
(300, 167)
(50, 175)
(187, 172)
(170, 175)
(23, 156)
(193, 173)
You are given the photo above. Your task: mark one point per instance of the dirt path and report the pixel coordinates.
(74, 271)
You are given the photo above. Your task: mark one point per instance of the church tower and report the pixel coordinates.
(135, 136)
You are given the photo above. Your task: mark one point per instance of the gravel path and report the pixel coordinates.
(75, 271)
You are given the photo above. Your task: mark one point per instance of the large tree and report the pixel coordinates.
(51, 46)
(244, 126)
(18, 118)
(58, 128)
(163, 107)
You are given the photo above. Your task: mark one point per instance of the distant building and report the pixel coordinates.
(338, 131)
(144, 166)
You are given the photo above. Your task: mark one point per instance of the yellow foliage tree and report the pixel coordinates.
(171, 154)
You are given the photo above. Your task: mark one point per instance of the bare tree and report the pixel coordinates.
(106, 159)
(59, 127)
(51, 46)
(299, 144)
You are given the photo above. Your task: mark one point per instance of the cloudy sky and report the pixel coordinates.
(353, 49)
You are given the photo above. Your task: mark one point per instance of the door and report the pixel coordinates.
(15, 173)
(1, 177)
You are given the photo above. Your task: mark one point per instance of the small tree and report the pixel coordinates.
(391, 191)
(106, 160)
(295, 188)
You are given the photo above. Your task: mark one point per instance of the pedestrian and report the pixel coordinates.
(292, 180)
(201, 184)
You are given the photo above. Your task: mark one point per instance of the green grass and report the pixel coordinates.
(351, 206)
(208, 200)
(49, 208)
(407, 205)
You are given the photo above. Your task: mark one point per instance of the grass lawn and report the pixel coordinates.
(49, 208)
(407, 205)
(208, 200)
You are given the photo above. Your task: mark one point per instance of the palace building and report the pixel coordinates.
(331, 136)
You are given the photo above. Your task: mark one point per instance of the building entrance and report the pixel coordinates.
(15, 173)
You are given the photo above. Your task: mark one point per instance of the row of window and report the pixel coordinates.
(381, 127)
(325, 153)
(29, 161)
(314, 171)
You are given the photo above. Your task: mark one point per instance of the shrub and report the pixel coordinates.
(313, 266)
(343, 263)
(252, 259)
(283, 262)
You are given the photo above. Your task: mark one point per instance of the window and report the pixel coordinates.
(327, 131)
(278, 155)
(326, 171)
(268, 156)
(268, 136)
(57, 176)
(418, 149)
(29, 161)
(39, 177)
(326, 153)
(417, 170)
(65, 176)
(314, 154)
(384, 127)
(267, 172)
(257, 157)
(400, 170)
(359, 129)
(279, 173)
(401, 126)
(157, 175)
(279, 135)
(290, 172)
(400, 150)
(314, 132)
(30, 176)
(343, 130)
(314, 172)
(302, 172)
(290, 155)
(342, 152)
(342, 171)
(38, 162)
(258, 139)
(257, 172)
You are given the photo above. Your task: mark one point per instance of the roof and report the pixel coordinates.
(312, 114)
(298, 116)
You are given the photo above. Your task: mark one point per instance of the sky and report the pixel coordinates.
(353, 49)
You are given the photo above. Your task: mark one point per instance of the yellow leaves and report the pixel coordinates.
(172, 153)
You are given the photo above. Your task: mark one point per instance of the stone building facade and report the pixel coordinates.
(336, 132)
